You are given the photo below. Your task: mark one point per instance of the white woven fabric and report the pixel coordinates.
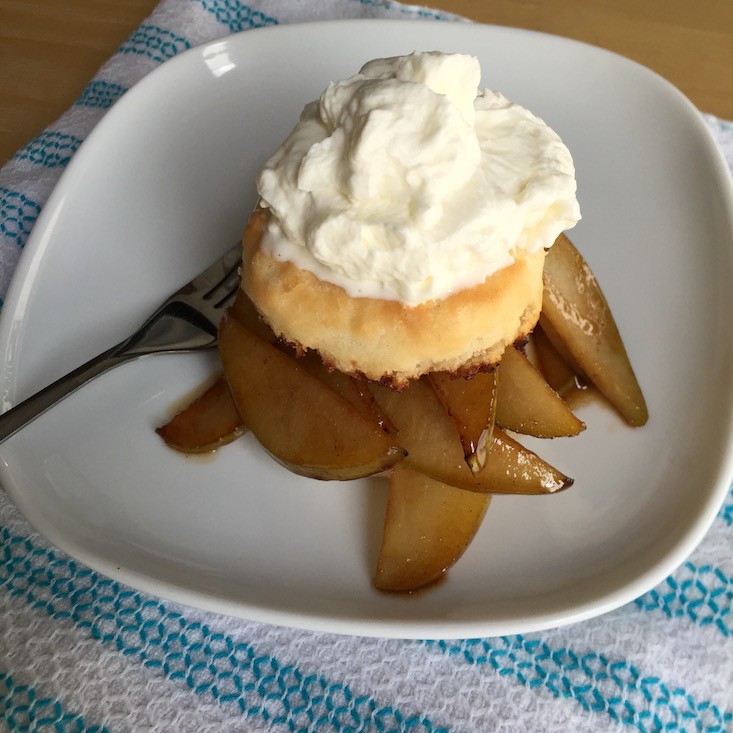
(79, 652)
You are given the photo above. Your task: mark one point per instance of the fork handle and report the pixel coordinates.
(176, 326)
(24, 412)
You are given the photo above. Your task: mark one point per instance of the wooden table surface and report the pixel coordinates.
(49, 49)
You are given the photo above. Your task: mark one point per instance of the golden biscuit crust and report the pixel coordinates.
(384, 340)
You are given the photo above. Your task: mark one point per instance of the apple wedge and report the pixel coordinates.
(577, 319)
(471, 403)
(427, 527)
(295, 416)
(353, 391)
(246, 313)
(554, 368)
(428, 434)
(527, 404)
(359, 396)
(513, 469)
(210, 421)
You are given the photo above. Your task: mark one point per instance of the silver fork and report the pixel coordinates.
(187, 321)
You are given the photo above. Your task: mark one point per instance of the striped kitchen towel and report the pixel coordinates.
(80, 652)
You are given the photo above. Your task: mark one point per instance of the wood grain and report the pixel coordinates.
(688, 42)
(50, 49)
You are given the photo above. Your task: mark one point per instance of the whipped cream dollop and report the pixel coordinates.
(404, 182)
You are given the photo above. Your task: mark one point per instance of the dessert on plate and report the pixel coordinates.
(409, 234)
(403, 223)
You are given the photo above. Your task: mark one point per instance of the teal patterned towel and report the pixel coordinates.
(80, 652)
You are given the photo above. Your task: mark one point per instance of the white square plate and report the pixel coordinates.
(165, 184)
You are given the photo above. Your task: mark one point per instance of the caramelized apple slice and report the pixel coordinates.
(427, 527)
(434, 448)
(517, 470)
(527, 404)
(554, 368)
(296, 417)
(365, 394)
(576, 318)
(359, 396)
(426, 432)
(357, 393)
(210, 421)
(245, 312)
(471, 403)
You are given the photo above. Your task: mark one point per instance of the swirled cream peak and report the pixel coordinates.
(405, 183)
